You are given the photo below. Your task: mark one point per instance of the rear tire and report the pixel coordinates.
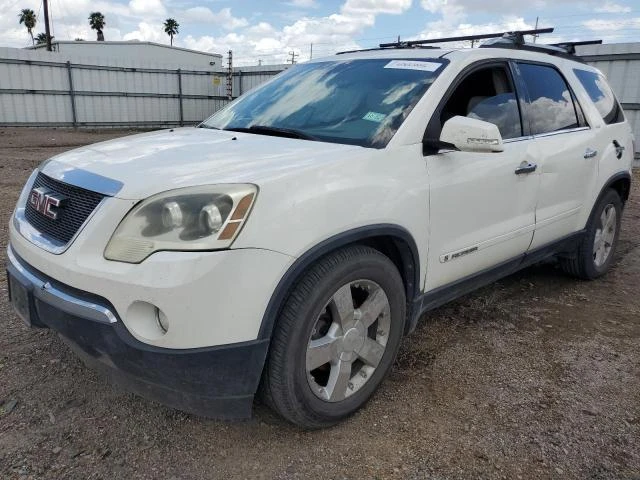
(595, 253)
(336, 338)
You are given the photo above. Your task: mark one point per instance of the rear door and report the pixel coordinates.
(481, 209)
(613, 136)
(568, 153)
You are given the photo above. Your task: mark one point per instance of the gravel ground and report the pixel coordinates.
(537, 376)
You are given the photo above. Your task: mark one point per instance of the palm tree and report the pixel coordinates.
(28, 17)
(41, 39)
(97, 23)
(171, 28)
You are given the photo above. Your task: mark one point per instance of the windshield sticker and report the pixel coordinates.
(374, 117)
(413, 65)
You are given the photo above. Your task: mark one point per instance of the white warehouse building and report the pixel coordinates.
(136, 51)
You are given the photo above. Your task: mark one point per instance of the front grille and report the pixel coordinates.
(80, 203)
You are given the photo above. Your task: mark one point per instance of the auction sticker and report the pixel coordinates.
(413, 65)
(374, 117)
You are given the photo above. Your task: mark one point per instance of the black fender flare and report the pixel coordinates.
(407, 249)
(624, 175)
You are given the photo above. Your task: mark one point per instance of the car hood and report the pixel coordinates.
(138, 166)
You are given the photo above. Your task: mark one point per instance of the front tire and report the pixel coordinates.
(336, 338)
(594, 255)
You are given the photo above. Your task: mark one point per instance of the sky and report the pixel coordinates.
(268, 30)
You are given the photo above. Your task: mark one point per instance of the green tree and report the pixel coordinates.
(171, 28)
(97, 23)
(41, 39)
(28, 18)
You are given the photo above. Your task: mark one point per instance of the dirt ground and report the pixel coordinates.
(537, 376)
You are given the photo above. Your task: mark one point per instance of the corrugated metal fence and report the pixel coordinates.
(41, 89)
(38, 90)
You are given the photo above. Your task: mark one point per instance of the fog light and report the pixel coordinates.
(211, 218)
(146, 321)
(171, 215)
(162, 320)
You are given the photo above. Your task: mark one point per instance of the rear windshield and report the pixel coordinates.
(358, 102)
(601, 95)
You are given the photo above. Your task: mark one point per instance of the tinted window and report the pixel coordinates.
(487, 95)
(550, 106)
(501, 110)
(360, 102)
(602, 95)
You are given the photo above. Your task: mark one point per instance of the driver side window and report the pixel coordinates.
(487, 94)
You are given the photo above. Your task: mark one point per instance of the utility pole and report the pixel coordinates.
(47, 32)
(311, 52)
(230, 75)
(535, 37)
(293, 57)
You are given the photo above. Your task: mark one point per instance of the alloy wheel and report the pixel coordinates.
(605, 235)
(348, 340)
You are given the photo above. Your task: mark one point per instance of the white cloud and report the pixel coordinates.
(328, 34)
(146, 32)
(146, 7)
(223, 18)
(303, 3)
(611, 7)
(375, 7)
(446, 28)
(612, 26)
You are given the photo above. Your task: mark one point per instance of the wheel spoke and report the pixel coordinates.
(611, 219)
(372, 307)
(343, 302)
(371, 352)
(338, 382)
(603, 218)
(320, 352)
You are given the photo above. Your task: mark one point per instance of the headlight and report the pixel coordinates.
(194, 218)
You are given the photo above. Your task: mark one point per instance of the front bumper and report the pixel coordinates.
(217, 382)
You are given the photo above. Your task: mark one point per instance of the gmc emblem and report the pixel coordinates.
(44, 201)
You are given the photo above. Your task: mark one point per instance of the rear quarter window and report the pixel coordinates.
(601, 95)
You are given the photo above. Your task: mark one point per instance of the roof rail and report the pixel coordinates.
(516, 36)
(570, 47)
(428, 47)
(564, 49)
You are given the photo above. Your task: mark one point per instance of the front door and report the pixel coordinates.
(482, 205)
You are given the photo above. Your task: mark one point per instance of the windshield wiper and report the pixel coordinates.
(204, 125)
(273, 131)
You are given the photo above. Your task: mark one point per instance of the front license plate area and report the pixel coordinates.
(19, 296)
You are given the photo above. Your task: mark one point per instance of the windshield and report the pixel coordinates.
(358, 102)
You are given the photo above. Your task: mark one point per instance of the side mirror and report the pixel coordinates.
(470, 135)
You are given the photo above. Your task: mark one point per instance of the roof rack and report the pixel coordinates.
(513, 40)
(517, 36)
(428, 47)
(570, 47)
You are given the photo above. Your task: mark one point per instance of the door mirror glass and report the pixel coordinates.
(471, 135)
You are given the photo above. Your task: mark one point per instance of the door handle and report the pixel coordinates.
(590, 153)
(526, 168)
(619, 149)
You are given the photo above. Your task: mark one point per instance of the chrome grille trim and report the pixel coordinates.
(42, 236)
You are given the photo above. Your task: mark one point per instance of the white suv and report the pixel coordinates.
(287, 244)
